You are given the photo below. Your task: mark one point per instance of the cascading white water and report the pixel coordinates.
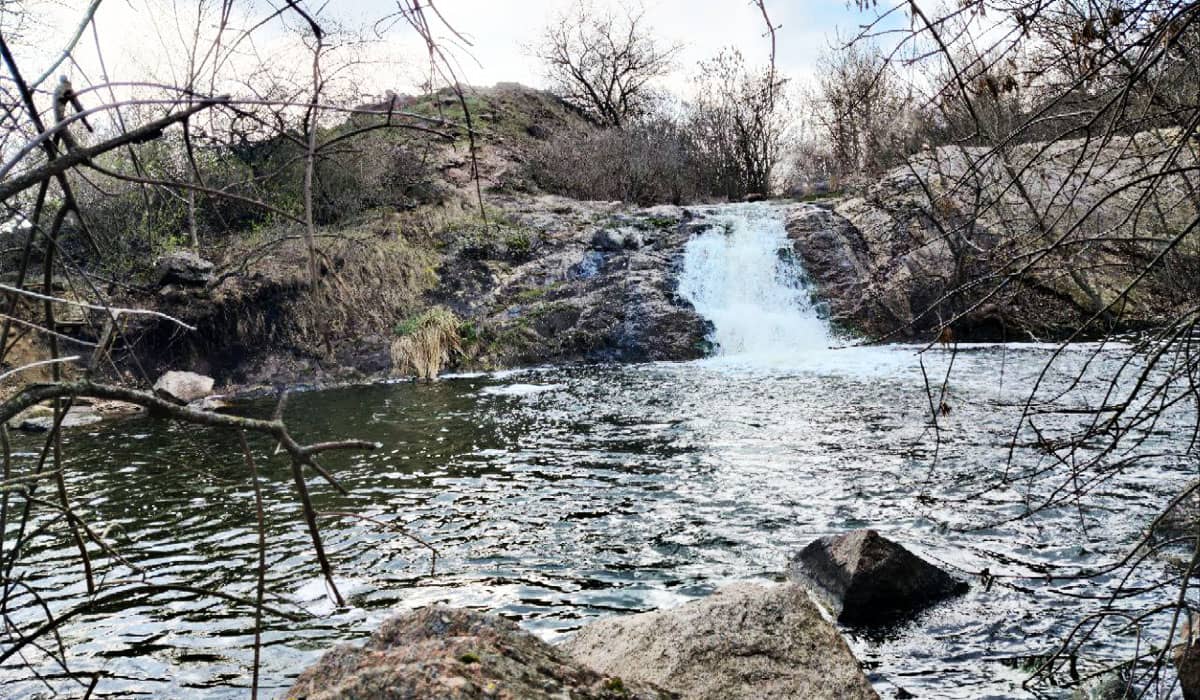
(740, 276)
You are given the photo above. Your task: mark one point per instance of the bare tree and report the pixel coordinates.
(739, 121)
(863, 112)
(162, 142)
(604, 62)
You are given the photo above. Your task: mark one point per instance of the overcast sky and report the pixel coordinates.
(136, 34)
(500, 30)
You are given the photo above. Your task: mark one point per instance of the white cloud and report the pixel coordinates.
(143, 39)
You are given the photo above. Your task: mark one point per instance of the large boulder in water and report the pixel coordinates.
(453, 654)
(868, 579)
(745, 641)
(183, 387)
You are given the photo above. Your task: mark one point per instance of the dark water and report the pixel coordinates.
(558, 496)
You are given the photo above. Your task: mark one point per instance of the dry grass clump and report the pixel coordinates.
(370, 275)
(426, 343)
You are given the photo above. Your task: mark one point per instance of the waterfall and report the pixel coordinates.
(741, 276)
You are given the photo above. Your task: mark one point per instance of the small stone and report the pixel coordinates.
(210, 403)
(608, 240)
(588, 267)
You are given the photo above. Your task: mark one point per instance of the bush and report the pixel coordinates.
(651, 163)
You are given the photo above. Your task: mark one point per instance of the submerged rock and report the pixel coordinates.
(453, 654)
(114, 409)
(40, 419)
(183, 387)
(745, 641)
(867, 579)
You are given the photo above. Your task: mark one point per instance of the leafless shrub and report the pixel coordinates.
(654, 161)
(864, 120)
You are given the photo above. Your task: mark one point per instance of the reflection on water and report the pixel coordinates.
(559, 495)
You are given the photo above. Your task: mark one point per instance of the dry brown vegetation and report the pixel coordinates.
(425, 344)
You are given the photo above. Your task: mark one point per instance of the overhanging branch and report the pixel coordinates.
(146, 132)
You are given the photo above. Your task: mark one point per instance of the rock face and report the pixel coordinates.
(183, 268)
(868, 579)
(597, 283)
(912, 252)
(452, 654)
(183, 387)
(745, 641)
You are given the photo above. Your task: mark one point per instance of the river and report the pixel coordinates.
(557, 495)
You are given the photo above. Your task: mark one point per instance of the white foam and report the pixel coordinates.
(520, 389)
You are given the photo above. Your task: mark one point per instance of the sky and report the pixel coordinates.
(131, 36)
(501, 30)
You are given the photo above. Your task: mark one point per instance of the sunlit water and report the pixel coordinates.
(559, 495)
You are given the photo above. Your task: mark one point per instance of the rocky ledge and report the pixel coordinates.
(911, 255)
(574, 281)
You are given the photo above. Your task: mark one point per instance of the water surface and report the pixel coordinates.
(559, 495)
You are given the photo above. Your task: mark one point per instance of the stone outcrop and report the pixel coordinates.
(912, 253)
(598, 283)
(746, 641)
(40, 419)
(867, 579)
(183, 387)
(453, 654)
(83, 412)
(552, 280)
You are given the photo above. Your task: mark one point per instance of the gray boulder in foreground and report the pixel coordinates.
(454, 654)
(183, 387)
(745, 641)
(866, 578)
